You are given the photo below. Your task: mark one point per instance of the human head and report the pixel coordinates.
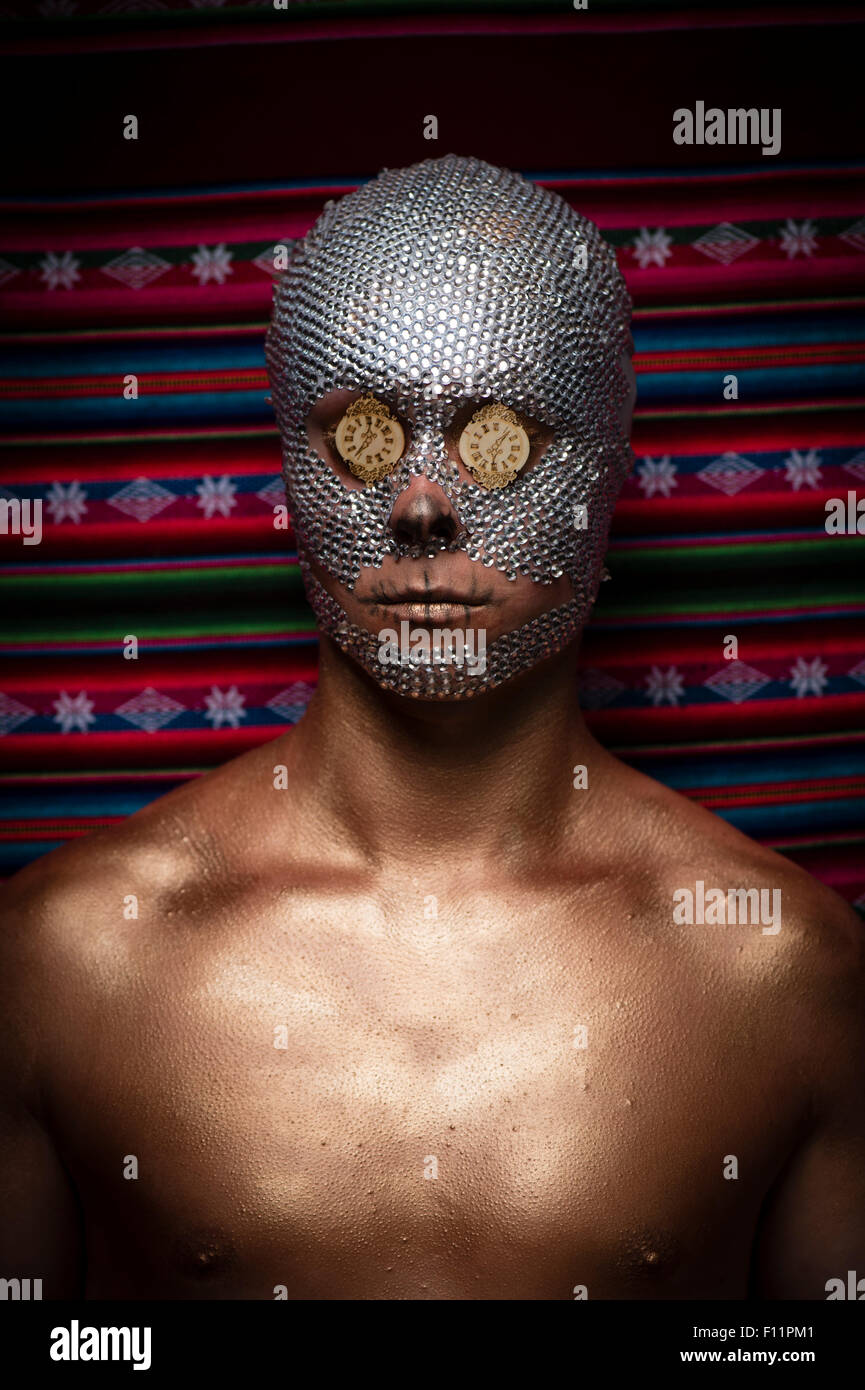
(440, 289)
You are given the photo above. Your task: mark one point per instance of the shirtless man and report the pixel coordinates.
(410, 1009)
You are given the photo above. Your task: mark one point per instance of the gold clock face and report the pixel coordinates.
(494, 446)
(369, 439)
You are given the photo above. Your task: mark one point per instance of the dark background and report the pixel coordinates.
(256, 110)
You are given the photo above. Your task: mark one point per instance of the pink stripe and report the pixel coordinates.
(77, 228)
(307, 31)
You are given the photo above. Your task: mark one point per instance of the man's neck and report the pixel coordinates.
(403, 777)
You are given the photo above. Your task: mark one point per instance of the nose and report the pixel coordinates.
(422, 513)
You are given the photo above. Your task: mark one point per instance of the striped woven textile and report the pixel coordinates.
(158, 508)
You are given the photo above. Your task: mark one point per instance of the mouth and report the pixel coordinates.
(436, 605)
(432, 614)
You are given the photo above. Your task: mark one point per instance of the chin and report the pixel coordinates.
(462, 665)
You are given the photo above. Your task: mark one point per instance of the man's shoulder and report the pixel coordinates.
(84, 895)
(702, 848)
(736, 902)
(774, 940)
(77, 899)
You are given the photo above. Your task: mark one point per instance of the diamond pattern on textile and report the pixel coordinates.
(598, 688)
(273, 495)
(855, 235)
(150, 710)
(290, 703)
(858, 672)
(136, 268)
(856, 465)
(725, 243)
(730, 473)
(7, 271)
(737, 682)
(142, 499)
(265, 259)
(12, 713)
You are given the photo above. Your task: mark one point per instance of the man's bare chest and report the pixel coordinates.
(417, 1123)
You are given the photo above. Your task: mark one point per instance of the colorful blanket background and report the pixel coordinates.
(158, 510)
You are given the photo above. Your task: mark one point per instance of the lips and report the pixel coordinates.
(437, 614)
(435, 605)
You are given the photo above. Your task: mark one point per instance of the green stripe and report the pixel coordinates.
(763, 555)
(769, 601)
(672, 581)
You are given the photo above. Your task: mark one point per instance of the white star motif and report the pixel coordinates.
(652, 248)
(216, 495)
(808, 677)
(59, 271)
(657, 476)
(796, 237)
(803, 469)
(74, 712)
(665, 685)
(66, 502)
(225, 707)
(212, 263)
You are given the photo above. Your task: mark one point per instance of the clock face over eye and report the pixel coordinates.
(494, 446)
(369, 439)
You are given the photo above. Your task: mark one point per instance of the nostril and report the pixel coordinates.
(422, 522)
(422, 513)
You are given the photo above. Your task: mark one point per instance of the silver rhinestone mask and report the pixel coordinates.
(447, 282)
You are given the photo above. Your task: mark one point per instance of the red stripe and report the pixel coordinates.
(50, 388)
(56, 830)
(189, 536)
(779, 793)
(782, 355)
(688, 198)
(747, 511)
(749, 719)
(712, 434)
(156, 455)
(175, 674)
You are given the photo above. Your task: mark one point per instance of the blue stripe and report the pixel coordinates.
(188, 353)
(755, 384)
(760, 769)
(14, 854)
(199, 407)
(678, 175)
(797, 818)
(691, 333)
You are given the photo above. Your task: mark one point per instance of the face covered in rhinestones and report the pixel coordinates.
(450, 363)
